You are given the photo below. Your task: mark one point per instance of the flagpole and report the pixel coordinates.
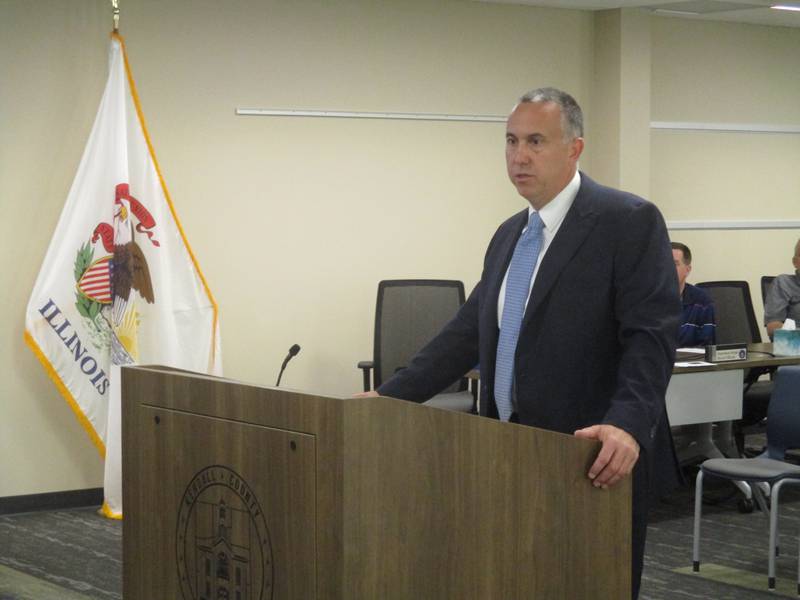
(115, 5)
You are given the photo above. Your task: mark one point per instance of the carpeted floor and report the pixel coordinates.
(60, 555)
(733, 551)
(77, 554)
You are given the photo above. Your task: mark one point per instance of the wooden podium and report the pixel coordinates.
(243, 492)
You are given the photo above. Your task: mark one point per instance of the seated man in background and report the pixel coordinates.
(783, 297)
(697, 321)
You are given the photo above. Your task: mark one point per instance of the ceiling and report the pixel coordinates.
(757, 12)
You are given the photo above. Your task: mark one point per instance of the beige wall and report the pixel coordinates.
(727, 73)
(295, 220)
(622, 72)
(53, 58)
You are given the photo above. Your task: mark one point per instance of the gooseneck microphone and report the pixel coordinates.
(292, 353)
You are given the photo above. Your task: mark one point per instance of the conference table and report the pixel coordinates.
(699, 396)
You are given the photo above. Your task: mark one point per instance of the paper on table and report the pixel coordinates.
(692, 350)
(694, 363)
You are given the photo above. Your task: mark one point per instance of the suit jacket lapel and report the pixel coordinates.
(578, 223)
(497, 272)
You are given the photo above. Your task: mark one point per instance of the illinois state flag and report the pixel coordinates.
(119, 284)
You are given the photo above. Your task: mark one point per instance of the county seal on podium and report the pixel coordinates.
(222, 539)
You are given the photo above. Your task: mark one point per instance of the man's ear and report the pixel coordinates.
(576, 149)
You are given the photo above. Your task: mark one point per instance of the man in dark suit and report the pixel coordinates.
(575, 317)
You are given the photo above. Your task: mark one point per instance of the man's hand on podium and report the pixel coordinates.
(618, 455)
(369, 394)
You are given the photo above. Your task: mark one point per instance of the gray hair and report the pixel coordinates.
(571, 113)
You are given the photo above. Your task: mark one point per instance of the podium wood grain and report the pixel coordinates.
(370, 498)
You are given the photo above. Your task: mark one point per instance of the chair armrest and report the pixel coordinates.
(366, 366)
(474, 384)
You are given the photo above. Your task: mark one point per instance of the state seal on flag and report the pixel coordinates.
(104, 285)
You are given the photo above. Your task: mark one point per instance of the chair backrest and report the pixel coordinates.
(408, 314)
(766, 281)
(733, 307)
(783, 414)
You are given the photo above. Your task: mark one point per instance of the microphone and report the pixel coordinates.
(292, 353)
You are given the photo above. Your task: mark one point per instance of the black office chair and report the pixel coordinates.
(408, 314)
(766, 281)
(733, 305)
(736, 324)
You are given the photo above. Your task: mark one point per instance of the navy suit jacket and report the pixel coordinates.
(598, 338)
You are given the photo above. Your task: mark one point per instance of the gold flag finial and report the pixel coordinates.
(115, 5)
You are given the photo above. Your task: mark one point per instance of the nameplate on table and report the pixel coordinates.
(726, 352)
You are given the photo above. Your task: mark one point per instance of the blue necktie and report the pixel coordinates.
(518, 284)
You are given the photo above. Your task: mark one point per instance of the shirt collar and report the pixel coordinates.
(554, 211)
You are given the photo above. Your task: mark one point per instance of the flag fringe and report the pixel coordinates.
(140, 115)
(110, 514)
(51, 372)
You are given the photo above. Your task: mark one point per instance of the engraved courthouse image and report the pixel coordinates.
(223, 546)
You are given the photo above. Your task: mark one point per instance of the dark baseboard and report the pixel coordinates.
(51, 501)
